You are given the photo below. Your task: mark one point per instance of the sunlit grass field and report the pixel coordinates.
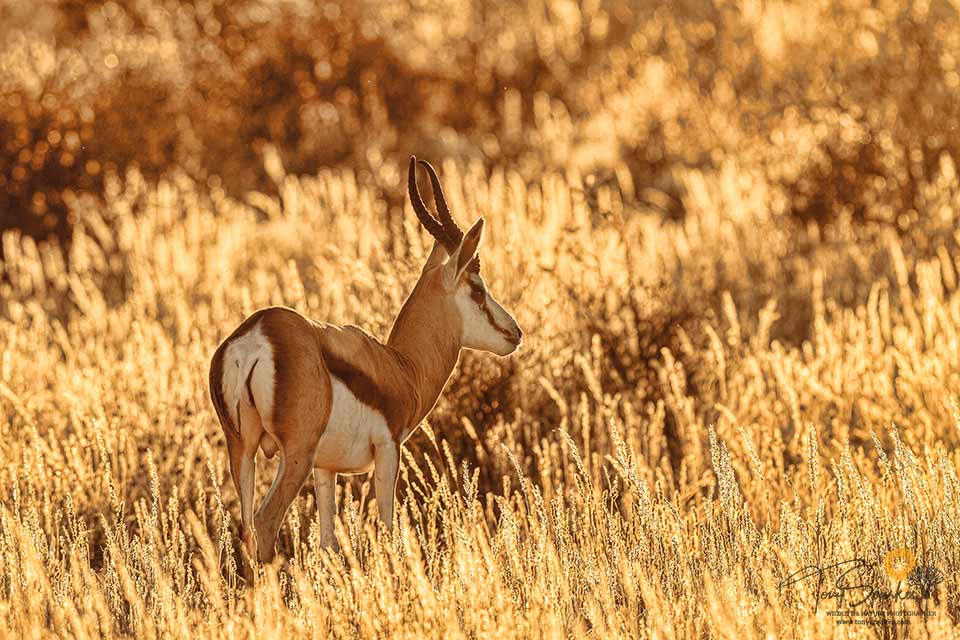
(553, 507)
(732, 244)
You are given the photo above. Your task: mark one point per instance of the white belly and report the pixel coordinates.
(353, 432)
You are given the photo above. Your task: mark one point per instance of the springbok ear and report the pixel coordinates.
(461, 258)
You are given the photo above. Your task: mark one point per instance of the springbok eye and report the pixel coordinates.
(478, 295)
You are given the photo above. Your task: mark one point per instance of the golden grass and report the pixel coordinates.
(728, 230)
(569, 504)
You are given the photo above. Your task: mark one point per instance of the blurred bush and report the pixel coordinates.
(88, 88)
(846, 108)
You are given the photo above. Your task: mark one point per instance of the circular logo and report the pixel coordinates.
(899, 562)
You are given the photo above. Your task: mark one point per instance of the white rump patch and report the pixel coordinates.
(252, 348)
(352, 433)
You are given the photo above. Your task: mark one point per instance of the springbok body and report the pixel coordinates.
(337, 400)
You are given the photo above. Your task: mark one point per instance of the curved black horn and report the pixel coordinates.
(429, 223)
(450, 226)
(446, 230)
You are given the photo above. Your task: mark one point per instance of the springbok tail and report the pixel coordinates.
(249, 395)
(243, 371)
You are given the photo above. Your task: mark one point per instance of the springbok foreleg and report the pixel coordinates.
(386, 463)
(325, 488)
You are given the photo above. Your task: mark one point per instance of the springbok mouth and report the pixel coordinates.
(510, 337)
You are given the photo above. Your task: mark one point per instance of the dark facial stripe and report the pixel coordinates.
(479, 295)
(493, 322)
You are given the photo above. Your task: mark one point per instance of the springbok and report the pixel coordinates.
(337, 400)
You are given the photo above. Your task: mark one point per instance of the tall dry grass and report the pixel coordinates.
(548, 495)
(729, 231)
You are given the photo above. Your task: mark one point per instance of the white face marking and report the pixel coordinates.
(487, 326)
(352, 432)
(252, 348)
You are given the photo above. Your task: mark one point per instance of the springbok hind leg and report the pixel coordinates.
(242, 450)
(296, 426)
(247, 483)
(295, 463)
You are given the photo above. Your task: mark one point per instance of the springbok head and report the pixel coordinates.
(453, 270)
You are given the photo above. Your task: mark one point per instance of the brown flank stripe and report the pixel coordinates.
(305, 357)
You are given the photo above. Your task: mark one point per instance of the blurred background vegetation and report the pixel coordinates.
(846, 107)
